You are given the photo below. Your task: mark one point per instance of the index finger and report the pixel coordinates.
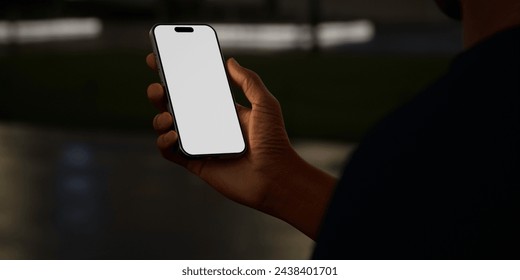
(150, 60)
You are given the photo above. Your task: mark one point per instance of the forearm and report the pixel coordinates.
(301, 196)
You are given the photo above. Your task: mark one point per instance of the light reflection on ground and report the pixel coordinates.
(87, 195)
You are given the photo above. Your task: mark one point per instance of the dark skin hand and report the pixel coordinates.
(270, 177)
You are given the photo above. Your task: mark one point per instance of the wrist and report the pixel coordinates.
(300, 195)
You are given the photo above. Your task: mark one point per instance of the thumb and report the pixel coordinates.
(251, 84)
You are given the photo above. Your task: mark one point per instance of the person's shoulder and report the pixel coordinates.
(501, 49)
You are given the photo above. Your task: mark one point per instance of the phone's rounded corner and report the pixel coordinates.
(210, 27)
(152, 29)
(185, 154)
(232, 155)
(159, 24)
(242, 153)
(244, 149)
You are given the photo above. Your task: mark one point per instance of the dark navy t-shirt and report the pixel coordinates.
(440, 177)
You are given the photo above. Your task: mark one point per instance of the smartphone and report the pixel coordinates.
(193, 73)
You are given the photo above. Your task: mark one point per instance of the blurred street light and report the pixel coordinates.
(31, 31)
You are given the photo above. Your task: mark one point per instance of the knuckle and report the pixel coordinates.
(251, 80)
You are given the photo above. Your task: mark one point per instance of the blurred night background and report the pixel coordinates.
(80, 177)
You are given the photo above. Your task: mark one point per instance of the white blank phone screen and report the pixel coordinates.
(194, 74)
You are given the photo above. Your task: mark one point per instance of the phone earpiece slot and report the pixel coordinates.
(183, 29)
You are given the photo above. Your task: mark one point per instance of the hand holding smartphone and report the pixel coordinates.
(199, 97)
(271, 177)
